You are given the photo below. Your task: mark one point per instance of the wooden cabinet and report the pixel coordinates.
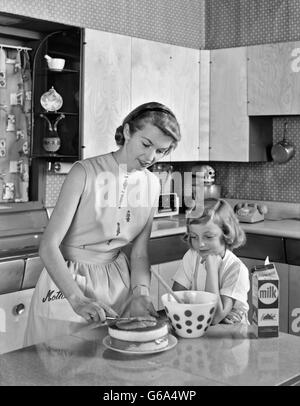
(169, 74)
(294, 299)
(234, 136)
(274, 79)
(106, 95)
(14, 309)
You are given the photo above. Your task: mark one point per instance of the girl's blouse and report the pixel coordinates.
(114, 207)
(233, 277)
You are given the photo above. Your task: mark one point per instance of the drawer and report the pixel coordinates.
(11, 275)
(292, 251)
(33, 269)
(260, 246)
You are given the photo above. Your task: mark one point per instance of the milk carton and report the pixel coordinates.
(265, 300)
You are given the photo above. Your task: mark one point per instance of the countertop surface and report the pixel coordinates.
(226, 355)
(281, 228)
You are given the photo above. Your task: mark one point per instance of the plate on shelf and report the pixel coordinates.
(171, 344)
(51, 100)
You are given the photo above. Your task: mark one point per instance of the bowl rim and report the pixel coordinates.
(211, 302)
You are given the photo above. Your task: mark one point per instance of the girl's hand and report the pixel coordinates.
(90, 309)
(212, 263)
(140, 306)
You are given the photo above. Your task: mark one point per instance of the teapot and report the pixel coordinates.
(51, 100)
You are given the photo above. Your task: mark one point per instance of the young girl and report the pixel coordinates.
(211, 266)
(106, 202)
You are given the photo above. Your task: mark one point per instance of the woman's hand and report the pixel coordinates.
(140, 306)
(91, 310)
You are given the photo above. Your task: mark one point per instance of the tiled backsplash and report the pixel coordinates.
(261, 180)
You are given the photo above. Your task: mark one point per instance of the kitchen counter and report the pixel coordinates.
(226, 355)
(281, 228)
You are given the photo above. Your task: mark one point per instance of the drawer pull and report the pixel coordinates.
(19, 309)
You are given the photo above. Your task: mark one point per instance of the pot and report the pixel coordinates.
(283, 151)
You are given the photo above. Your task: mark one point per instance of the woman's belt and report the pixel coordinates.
(87, 256)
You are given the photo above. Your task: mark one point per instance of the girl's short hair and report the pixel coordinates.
(222, 214)
(156, 114)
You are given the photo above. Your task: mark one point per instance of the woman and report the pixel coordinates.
(106, 202)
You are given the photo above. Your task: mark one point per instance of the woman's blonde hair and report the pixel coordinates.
(156, 114)
(222, 214)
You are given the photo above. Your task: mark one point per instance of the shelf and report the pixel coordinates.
(53, 155)
(56, 112)
(52, 71)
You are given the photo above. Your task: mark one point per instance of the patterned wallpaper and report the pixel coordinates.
(178, 22)
(197, 24)
(232, 23)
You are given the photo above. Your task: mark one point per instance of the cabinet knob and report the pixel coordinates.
(19, 309)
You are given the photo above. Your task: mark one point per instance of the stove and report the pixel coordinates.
(20, 235)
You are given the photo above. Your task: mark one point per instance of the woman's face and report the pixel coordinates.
(145, 147)
(207, 239)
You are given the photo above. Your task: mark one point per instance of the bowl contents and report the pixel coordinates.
(139, 337)
(192, 318)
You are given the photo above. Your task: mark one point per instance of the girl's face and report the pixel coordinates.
(207, 239)
(145, 147)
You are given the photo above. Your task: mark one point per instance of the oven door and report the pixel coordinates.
(14, 308)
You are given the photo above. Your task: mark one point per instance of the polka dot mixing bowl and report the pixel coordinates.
(193, 317)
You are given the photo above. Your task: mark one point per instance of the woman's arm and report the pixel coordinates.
(225, 303)
(50, 253)
(56, 230)
(140, 304)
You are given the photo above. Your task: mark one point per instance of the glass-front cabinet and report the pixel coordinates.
(56, 99)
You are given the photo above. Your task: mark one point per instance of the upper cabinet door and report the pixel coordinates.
(274, 79)
(169, 74)
(106, 82)
(229, 123)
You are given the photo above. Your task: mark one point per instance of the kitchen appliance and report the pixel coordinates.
(250, 212)
(168, 205)
(20, 268)
(211, 190)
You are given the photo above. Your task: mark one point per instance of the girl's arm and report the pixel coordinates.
(50, 253)
(225, 303)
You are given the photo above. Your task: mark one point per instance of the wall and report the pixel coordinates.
(232, 23)
(178, 22)
(196, 24)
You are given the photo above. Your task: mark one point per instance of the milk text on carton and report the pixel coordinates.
(265, 301)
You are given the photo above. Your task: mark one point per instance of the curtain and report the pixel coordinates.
(15, 124)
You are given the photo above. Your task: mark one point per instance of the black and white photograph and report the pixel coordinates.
(150, 198)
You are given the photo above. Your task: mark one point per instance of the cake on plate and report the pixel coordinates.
(139, 335)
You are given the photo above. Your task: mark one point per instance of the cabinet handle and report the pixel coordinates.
(19, 309)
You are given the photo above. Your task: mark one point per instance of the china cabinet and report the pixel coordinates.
(56, 97)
